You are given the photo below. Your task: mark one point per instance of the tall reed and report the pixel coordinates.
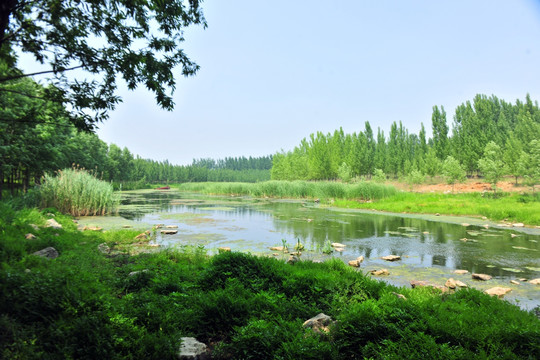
(77, 192)
(296, 189)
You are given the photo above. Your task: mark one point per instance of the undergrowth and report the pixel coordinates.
(86, 304)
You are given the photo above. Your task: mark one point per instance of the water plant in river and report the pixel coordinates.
(299, 246)
(327, 248)
(77, 192)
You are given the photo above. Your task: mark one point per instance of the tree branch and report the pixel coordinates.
(14, 77)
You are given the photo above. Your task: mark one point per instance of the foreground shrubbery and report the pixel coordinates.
(85, 304)
(297, 189)
(77, 192)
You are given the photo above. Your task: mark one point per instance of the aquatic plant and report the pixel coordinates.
(77, 192)
(364, 190)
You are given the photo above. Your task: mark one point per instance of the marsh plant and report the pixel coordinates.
(365, 190)
(327, 247)
(77, 192)
(299, 246)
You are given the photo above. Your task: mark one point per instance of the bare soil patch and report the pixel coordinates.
(471, 185)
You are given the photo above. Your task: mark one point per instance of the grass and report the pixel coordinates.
(77, 192)
(296, 189)
(85, 304)
(513, 207)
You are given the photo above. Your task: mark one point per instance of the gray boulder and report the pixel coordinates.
(48, 253)
(193, 349)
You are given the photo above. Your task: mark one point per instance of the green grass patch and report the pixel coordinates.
(87, 304)
(513, 207)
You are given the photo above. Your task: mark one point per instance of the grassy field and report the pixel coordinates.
(514, 207)
(510, 207)
(128, 303)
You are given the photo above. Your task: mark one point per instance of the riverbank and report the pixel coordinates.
(110, 295)
(511, 207)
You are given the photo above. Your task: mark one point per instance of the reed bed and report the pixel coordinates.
(78, 193)
(296, 189)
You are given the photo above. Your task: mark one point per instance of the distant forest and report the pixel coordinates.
(38, 136)
(513, 128)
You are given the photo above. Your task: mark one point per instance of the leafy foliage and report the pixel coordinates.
(137, 40)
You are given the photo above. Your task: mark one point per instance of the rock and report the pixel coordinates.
(484, 218)
(518, 225)
(278, 248)
(319, 323)
(360, 258)
(380, 272)
(513, 235)
(399, 296)
(338, 245)
(159, 226)
(143, 236)
(51, 223)
(224, 249)
(465, 224)
(171, 227)
(48, 253)
(522, 279)
(292, 260)
(437, 214)
(153, 244)
(391, 258)
(104, 248)
(486, 226)
(127, 226)
(426, 233)
(191, 349)
(535, 281)
(464, 239)
(92, 228)
(339, 249)
(29, 236)
(169, 232)
(460, 272)
(354, 263)
(418, 283)
(482, 277)
(296, 253)
(133, 273)
(515, 282)
(461, 284)
(498, 291)
(34, 226)
(450, 283)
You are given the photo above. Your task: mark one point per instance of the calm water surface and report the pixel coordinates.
(430, 250)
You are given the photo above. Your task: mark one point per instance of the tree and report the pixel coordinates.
(440, 132)
(530, 164)
(138, 40)
(453, 171)
(491, 164)
(511, 156)
(344, 172)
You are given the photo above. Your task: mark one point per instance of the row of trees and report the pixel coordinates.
(37, 136)
(512, 128)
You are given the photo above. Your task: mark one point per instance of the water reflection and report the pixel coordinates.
(244, 224)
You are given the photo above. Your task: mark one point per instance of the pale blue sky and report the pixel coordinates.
(272, 72)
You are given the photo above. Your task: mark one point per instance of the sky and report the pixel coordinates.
(273, 72)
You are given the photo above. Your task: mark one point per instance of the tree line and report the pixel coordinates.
(514, 129)
(37, 136)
